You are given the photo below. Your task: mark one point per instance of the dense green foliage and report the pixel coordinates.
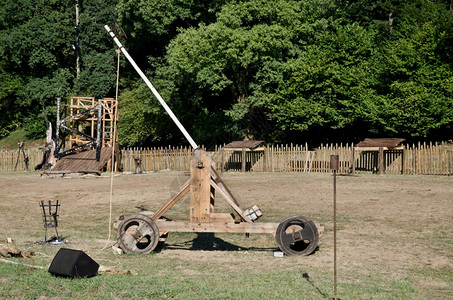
(285, 70)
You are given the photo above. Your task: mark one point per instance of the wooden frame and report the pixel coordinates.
(140, 233)
(203, 184)
(86, 114)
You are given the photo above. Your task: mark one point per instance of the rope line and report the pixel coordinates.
(113, 150)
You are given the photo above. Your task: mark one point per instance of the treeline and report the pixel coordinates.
(280, 71)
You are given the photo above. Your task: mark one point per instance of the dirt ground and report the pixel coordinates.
(388, 226)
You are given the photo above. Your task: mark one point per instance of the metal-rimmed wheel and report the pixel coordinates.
(297, 235)
(162, 235)
(138, 234)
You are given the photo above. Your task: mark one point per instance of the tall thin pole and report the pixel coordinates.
(57, 130)
(334, 161)
(335, 232)
(77, 38)
(153, 90)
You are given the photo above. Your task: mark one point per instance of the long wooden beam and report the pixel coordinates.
(216, 177)
(153, 90)
(231, 202)
(242, 227)
(184, 190)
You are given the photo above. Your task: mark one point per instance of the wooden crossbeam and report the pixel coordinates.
(242, 227)
(231, 202)
(184, 190)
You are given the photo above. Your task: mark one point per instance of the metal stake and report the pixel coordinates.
(334, 167)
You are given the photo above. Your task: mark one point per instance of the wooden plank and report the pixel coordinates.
(221, 217)
(218, 180)
(58, 172)
(230, 201)
(85, 160)
(242, 227)
(184, 190)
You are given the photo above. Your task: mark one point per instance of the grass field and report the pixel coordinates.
(395, 238)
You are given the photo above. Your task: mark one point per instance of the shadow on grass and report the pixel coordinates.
(208, 241)
(307, 277)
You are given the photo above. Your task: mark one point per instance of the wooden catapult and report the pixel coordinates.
(142, 232)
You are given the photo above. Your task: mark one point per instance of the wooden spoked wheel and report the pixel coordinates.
(297, 235)
(138, 234)
(162, 235)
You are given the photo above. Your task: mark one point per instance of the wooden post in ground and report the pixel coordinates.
(403, 157)
(381, 161)
(243, 160)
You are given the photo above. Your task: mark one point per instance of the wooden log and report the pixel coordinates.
(57, 172)
(89, 172)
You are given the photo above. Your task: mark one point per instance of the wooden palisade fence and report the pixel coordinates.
(426, 159)
(13, 160)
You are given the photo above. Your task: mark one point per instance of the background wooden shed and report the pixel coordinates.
(238, 152)
(373, 150)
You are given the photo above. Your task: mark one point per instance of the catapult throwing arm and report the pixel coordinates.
(151, 87)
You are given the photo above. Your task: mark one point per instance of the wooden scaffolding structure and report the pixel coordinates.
(90, 126)
(87, 124)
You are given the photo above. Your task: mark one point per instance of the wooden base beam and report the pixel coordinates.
(242, 227)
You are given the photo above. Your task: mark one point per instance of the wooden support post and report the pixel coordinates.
(201, 192)
(222, 163)
(403, 157)
(243, 160)
(381, 161)
(99, 131)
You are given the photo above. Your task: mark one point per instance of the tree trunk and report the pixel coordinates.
(391, 20)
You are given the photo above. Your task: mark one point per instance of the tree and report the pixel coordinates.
(285, 70)
(8, 89)
(419, 100)
(35, 52)
(232, 62)
(329, 89)
(98, 60)
(33, 39)
(151, 25)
